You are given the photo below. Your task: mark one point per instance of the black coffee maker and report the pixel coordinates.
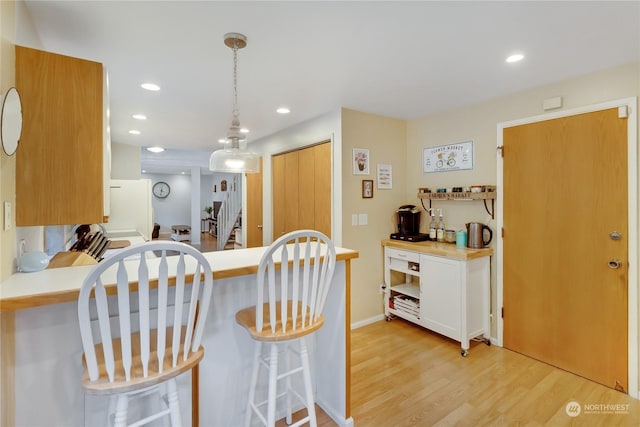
(409, 224)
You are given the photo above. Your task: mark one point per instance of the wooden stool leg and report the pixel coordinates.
(308, 388)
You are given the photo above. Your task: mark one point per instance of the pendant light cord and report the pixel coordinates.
(236, 111)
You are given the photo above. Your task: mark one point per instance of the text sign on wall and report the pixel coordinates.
(446, 158)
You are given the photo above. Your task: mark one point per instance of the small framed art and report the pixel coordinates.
(367, 188)
(360, 161)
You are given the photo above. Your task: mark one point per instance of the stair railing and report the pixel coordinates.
(229, 213)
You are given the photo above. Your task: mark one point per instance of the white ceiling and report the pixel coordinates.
(398, 59)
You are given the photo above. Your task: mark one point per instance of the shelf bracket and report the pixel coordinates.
(492, 208)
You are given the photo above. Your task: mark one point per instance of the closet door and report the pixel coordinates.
(302, 190)
(322, 188)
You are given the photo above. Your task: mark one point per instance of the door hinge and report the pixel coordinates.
(501, 149)
(502, 312)
(502, 232)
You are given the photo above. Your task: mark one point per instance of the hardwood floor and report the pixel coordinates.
(208, 243)
(404, 375)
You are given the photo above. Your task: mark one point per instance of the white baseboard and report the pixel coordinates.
(366, 322)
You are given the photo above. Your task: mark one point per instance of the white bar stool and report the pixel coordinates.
(144, 337)
(290, 310)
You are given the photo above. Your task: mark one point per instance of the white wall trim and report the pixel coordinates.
(366, 322)
(633, 255)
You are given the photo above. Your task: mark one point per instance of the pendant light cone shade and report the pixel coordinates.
(233, 158)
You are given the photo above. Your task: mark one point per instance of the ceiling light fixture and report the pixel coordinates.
(283, 110)
(155, 149)
(134, 132)
(139, 117)
(150, 86)
(234, 158)
(515, 58)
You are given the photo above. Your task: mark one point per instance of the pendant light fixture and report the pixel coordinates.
(234, 157)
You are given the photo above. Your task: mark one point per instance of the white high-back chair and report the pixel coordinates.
(290, 310)
(148, 334)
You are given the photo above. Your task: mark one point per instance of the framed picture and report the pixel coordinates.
(385, 177)
(360, 161)
(367, 188)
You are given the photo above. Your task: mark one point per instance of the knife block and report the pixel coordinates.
(70, 259)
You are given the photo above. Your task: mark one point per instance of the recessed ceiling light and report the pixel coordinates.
(134, 132)
(155, 149)
(222, 140)
(139, 117)
(515, 58)
(244, 130)
(150, 86)
(283, 110)
(144, 171)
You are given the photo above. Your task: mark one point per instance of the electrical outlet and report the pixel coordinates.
(7, 216)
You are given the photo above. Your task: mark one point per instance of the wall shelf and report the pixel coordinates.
(488, 193)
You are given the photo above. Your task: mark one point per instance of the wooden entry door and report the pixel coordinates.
(565, 193)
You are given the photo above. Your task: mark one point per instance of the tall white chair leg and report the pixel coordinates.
(174, 403)
(254, 382)
(273, 385)
(287, 368)
(308, 388)
(122, 405)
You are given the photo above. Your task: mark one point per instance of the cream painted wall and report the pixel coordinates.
(7, 164)
(125, 161)
(384, 137)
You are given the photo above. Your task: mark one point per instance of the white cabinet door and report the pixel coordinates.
(440, 298)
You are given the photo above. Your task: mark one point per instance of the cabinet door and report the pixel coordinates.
(59, 164)
(440, 303)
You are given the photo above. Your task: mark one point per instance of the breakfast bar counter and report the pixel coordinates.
(39, 312)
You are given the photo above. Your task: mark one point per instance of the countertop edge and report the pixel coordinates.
(69, 295)
(447, 250)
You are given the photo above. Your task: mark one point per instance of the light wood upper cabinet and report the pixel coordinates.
(60, 168)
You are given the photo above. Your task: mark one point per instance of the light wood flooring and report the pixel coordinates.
(404, 375)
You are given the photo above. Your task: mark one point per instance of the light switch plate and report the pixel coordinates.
(7, 216)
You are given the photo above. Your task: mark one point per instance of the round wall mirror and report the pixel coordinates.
(11, 121)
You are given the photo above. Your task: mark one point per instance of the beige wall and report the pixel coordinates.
(125, 161)
(384, 137)
(7, 164)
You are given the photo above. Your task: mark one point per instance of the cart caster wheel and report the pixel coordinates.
(487, 341)
(388, 318)
(464, 352)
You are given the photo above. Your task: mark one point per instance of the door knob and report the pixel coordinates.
(615, 264)
(260, 226)
(614, 235)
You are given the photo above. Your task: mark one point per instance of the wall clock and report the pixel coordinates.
(161, 189)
